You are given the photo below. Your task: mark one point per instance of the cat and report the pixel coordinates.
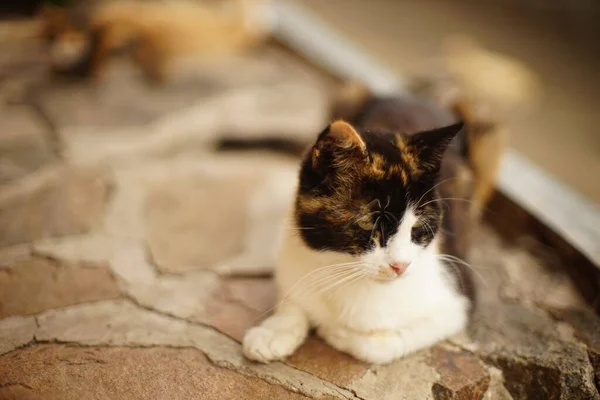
(83, 37)
(384, 205)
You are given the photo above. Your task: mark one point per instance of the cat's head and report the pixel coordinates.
(372, 195)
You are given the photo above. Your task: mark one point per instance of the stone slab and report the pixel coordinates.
(39, 284)
(60, 372)
(56, 201)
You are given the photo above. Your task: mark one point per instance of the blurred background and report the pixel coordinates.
(557, 40)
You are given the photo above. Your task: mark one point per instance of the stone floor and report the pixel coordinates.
(119, 222)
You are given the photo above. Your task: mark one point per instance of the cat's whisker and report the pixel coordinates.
(288, 294)
(390, 215)
(434, 186)
(323, 284)
(366, 215)
(445, 198)
(388, 203)
(325, 269)
(428, 227)
(348, 282)
(453, 259)
(316, 279)
(374, 227)
(341, 281)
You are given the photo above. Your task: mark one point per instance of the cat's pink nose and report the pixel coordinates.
(399, 267)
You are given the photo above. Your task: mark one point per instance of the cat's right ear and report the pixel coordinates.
(339, 135)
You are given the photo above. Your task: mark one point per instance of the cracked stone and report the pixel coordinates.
(322, 360)
(497, 390)
(53, 371)
(39, 284)
(531, 279)
(142, 120)
(111, 322)
(238, 305)
(529, 350)
(24, 146)
(121, 323)
(16, 332)
(54, 201)
(184, 296)
(12, 255)
(405, 379)
(586, 326)
(462, 375)
(185, 217)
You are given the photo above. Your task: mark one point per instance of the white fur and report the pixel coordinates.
(377, 318)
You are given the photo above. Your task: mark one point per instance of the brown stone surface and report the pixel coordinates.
(39, 284)
(322, 360)
(16, 332)
(534, 358)
(586, 327)
(57, 201)
(63, 372)
(405, 379)
(462, 375)
(124, 100)
(196, 223)
(24, 144)
(240, 303)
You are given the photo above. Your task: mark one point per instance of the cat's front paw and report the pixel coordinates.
(264, 344)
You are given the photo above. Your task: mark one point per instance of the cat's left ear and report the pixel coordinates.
(339, 139)
(431, 145)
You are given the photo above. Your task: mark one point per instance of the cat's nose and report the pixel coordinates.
(399, 267)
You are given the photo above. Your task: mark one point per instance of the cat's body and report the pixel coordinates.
(374, 321)
(371, 262)
(157, 32)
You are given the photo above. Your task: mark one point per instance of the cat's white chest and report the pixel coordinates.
(365, 304)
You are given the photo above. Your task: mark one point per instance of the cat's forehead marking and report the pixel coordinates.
(377, 168)
(404, 165)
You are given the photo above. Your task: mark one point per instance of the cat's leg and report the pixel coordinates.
(278, 336)
(384, 346)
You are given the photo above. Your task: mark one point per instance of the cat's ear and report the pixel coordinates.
(339, 135)
(431, 145)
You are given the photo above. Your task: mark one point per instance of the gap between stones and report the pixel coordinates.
(343, 392)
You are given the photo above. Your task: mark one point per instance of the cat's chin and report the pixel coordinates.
(386, 278)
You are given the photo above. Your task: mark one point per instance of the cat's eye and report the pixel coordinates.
(419, 229)
(365, 223)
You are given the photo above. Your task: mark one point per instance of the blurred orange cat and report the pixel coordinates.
(82, 38)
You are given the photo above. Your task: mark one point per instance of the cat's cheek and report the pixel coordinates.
(375, 260)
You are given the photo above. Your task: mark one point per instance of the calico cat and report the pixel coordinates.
(82, 38)
(385, 201)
